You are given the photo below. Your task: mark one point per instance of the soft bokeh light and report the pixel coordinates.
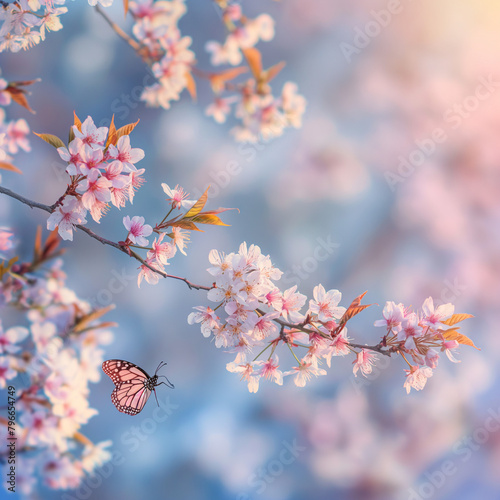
(431, 229)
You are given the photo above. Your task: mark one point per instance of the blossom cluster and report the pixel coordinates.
(25, 23)
(101, 166)
(164, 48)
(50, 357)
(258, 315)
(260, 113)
(176, 225)
(13, 133)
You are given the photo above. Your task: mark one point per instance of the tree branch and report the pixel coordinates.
(104, 241)
(117, 29)
(301, 327)
(284, 324)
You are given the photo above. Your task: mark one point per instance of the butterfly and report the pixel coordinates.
(133, 385)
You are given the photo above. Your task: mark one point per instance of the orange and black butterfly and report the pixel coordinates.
(133, 385)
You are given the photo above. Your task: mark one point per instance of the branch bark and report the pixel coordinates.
(284, 324)
(104, 241)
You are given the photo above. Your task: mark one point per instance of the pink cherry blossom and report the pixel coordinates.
(148, 274)
(269, 369)
(71, 155)
(16, 136)
(66, 217)
(304, 371)
(7, 371)
(434, 316)
(220, 108)
(180, 239)
(162, 251)
(416, 377)
(325, 304)
(365, 360)
(207, 317)
(432, 358)
(95, 188)
(138, 230)
(246, 370)
(293, 301)
(125, 154)
(411, 330)
(221, 263)
(91, 159)
(6, 240)
(10, 338)
(177, 196)
(393, 316)
(113, 172)
(90, 134)
(136, 181)
(448, 346)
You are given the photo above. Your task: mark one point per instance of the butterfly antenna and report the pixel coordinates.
(161, 365)
(172, 386)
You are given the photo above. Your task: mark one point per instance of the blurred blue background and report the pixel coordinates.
(436, 233)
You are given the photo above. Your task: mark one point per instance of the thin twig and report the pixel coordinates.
(22, 199)
(284, 324)
(118, 30)
(104, 241)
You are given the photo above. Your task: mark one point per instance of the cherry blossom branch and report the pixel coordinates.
(104, 241)
(30, 203)
(117, 29)
(301, 327)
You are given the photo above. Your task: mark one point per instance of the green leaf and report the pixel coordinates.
(208, 219)
(53, 140)
(185, 224)
(198, 206)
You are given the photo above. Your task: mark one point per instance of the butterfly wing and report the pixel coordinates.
(130, 397)
(130, 394)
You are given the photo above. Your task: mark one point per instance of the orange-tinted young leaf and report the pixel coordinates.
(77, 122)
(191, 85)
(198, 206)
(125, 7)
(111, 133)
(126, 129)
(48, 250)
(51, 244)
(85, 321)
(218, 211)
(456, 318)
(19, 96)
(254, 59)
(5, 266)
(217, 80)
(37, 251)
(352, 310)
(204, 218)
(453, 334)
(8, 166)
(270, 73)
(53, 140)
(24, 83)
(185, 224)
